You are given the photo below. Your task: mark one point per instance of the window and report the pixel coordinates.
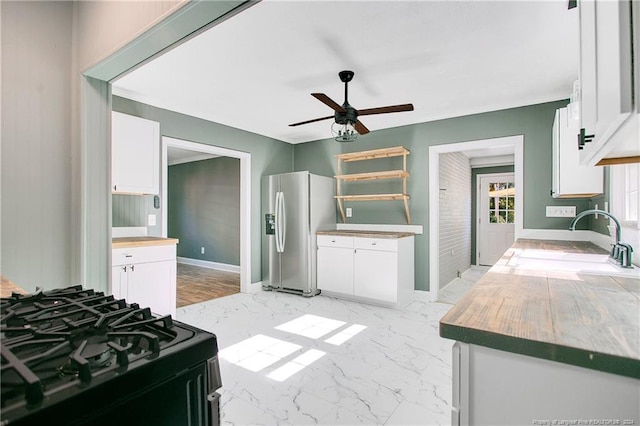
(501, 202)
(625, 202)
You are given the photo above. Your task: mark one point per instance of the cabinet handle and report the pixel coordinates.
(583, 138)
(114, 187)
(373, 243)
(128, 255)
(124, 269)
(132, 267)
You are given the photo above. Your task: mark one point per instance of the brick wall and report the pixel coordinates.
(455, 216)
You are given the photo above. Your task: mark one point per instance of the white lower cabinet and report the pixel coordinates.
(379, 270)
(146, 276)
(494, 387)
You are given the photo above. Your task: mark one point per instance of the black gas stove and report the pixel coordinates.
(74, 356)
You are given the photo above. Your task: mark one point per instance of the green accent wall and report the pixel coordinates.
(204, 209)
(534, 122)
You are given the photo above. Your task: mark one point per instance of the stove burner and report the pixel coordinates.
(94, 353)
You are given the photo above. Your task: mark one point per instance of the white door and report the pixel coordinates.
(496, 216)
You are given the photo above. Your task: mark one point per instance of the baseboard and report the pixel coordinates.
(422, 295)
(255, 287)
(207, 264)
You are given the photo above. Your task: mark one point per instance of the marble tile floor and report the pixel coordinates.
(290, 360)
(453, 291)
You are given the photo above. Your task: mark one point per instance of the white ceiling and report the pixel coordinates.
(256, 70)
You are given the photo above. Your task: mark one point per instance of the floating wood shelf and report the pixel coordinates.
(373, 197)
(388, 174)
(373, 154)
(395, 151)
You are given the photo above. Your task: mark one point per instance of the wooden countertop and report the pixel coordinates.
(125, 242)
(7, 287)
(366, 234)
(587, 320)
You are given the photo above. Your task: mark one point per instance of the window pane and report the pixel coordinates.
(510, 217)
(502, 203)
(510, 203)
(502, 218)
(492, 217)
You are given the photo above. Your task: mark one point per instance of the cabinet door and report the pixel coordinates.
(376, 274)
(570, 178)
(135, 154)
(152, 285)
(335, 269)
(605, 72)
(119, 281)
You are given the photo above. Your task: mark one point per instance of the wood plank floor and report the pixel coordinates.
(196, 284)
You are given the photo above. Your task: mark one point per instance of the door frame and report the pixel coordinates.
(245, 197)
(517, 142)
(479, 207)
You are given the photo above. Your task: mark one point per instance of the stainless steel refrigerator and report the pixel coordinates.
(298, 205)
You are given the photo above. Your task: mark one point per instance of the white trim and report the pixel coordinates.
(421, 295)
(192, 159)
(499, 160)
(209, 264)
(255, 287)
(129, 231)
(416, 229)
(517, 142)
(245, 198)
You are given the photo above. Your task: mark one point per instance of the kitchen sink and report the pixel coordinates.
(597, 264)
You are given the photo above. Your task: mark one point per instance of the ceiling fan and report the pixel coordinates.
(347, 116)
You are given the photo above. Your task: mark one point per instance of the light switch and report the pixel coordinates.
(349, 212)
(151, 220)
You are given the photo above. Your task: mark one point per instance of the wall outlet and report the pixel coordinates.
(202, 250)
(349, 212)
(561, 211)
(151, 220)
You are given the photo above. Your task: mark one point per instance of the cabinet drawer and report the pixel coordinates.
(383, 244)
(335, 241)
(126, 256)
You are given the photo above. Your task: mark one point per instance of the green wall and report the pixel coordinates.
(534, 122)
(204, 209)
(268, 156)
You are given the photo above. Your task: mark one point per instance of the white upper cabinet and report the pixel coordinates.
(570, 178)
(135, 155)
(609, 116)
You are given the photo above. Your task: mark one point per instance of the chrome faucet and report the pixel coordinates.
(621, 252)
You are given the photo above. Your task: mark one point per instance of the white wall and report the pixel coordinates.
(36, 143)
(455, 216)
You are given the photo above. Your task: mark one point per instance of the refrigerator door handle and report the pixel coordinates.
(283, 214)
(277, 222)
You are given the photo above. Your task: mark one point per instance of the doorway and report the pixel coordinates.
(496, 216)
(516, 144)
(245, 196)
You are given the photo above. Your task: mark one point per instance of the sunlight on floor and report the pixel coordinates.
(259, 352)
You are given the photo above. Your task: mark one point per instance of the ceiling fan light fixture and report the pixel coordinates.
(344, 132)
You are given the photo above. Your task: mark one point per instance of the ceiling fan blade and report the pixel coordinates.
(386, 109)
(360, 128)
(328, 102)
(311, 121)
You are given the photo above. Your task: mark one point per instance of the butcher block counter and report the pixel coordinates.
(7, 287)
(579, 309)
(366, 234)
(124, 242)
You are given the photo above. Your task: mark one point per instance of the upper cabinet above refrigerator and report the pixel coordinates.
(610, 117)
(135, 155)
